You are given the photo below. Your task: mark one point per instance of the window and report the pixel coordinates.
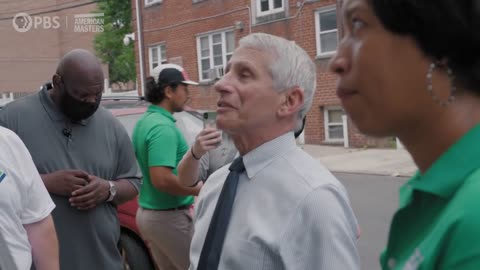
(151, 2)
(214, 50)
(267, 7)
(157, 55)
(326, 31)
(333, 124)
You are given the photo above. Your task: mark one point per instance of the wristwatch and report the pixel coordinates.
(112, 191)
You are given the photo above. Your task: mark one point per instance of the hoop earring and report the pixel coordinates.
(451, 98)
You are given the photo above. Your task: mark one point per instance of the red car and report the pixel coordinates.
(128, 110)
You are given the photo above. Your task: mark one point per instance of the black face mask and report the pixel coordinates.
(76, 109)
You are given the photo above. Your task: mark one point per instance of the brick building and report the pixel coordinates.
(202, 34)
(29, 58)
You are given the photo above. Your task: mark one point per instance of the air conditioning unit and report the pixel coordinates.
(215, 73)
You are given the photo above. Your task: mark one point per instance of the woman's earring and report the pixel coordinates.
(453, 88)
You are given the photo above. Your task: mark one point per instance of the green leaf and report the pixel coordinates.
(109, 45)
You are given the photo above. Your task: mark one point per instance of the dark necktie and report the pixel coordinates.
(212, 247)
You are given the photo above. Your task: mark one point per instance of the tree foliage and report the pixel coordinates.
(109, 45)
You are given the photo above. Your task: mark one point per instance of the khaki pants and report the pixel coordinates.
(169, 234)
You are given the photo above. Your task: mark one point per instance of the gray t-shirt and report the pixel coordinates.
(216, 158)
(101, 147)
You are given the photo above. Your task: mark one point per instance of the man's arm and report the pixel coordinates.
(165, 180)
(43, 239)
(189, 169)
(332, 233)
(197, 158)
(97, 191)
(126, 191)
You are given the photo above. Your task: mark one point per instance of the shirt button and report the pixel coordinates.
(391, 263)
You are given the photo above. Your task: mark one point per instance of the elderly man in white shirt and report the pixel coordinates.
(275, 207)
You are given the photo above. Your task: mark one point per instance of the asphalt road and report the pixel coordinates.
(374, 200)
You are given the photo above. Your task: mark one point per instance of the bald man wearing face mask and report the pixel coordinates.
(85, 159)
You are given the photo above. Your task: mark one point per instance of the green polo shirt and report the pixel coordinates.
(158, 142)
(438, 223)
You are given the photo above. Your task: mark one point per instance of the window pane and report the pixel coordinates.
(277, 3)
(163, 53)
(217, 38)
(205, 64)
(264, 5)
(204, 43)
(217, 50)
(205, 53)
(204, 75)
(328, 42)
(154, 53)
(154, 65)
(328, 20)
(335, 132)
(230, 38)
(335, 116)
(228, 57)
(218, 61)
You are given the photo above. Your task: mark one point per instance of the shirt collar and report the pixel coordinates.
(447, 173)
(52, 109)
(158, 109)
(262, 156)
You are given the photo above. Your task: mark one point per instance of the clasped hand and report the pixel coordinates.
(85, 191)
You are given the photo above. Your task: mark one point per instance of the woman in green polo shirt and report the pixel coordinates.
(411, 69)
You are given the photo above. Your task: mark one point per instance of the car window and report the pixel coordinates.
(188, 124)
(129, 121)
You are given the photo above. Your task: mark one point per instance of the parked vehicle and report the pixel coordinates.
(128, 110)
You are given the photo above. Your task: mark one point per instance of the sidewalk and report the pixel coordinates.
(390, 162)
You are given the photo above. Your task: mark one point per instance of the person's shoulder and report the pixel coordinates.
(9, 140)
(310, 170)
(22, 104)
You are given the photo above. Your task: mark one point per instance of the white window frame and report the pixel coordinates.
(159, 60)
(210, 55)
(271, 10)
(152, 2)
(318, 32)
(327, 124)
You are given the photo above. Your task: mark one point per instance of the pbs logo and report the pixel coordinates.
(22, 22)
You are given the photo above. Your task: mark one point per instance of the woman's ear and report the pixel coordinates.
(292, 102)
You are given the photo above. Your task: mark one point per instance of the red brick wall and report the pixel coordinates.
(177, 23)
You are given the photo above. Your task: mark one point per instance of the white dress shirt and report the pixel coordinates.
(289, 212)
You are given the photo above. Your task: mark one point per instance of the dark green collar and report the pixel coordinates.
(448, 172)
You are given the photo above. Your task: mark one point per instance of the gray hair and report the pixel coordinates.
(291, 67)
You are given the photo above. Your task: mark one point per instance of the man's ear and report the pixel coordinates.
(292, 102)
(57, 81)
(168, 92)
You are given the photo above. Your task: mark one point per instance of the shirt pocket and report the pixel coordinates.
(243, 254)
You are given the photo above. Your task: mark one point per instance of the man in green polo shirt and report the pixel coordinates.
(438, 223)
(163, 217)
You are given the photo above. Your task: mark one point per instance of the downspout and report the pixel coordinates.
(140, 46)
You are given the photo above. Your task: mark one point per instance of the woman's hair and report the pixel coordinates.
(443, 29)
(155, 92)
